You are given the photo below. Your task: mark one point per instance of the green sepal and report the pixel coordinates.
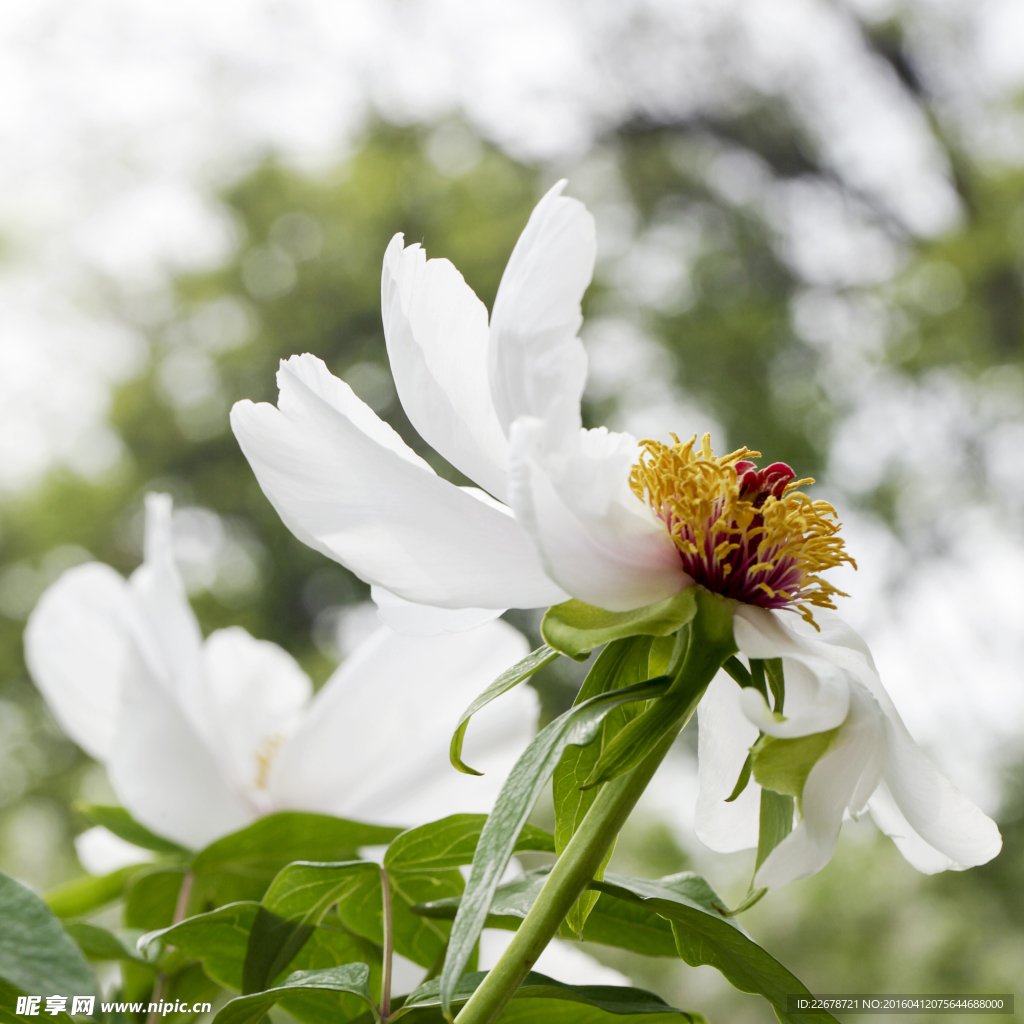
(782, 765)
(575, 628)
(511, 677)
(775, 823)
(741, 782)
(777, 682)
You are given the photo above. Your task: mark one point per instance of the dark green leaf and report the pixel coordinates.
(85, 894)
(510, 677)
(776, 823)
(293, 906)
(621, 663)
(219, 939)
(704, 936)
(574, 627)
(579, 725)
(99, 944)
(351, 980)
(121, 823)
(542, 999)
(36, 955)
(451, 842)
(240, 866)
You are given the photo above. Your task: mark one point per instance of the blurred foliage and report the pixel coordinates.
(305, 277)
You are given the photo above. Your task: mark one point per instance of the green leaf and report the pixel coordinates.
(9, 1002)
(99, 944)
(122, 824)
(782, 765)
(190, 985)
(240, 866)
(153, 896)
(741, 781)
(621, 663)
(451, 842)
(219, 939)
(704, 936)
(293, 906)
(510, 677)
(579, 725)
(351, 980)
(83, 895)
(540, 998)
(575, 628)
(776, 822)
(777, 682)
(36, 955)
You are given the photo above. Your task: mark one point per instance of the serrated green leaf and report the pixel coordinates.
(544, 999)
(100, 944)
(513, 676)
(451, 842)
(37, 955)
(574, 627)
(704, 936)
(579, 725)
(240, 866)
(293, 906)
(621, 663)
(90, 892)
(348, 980)
(123, 825)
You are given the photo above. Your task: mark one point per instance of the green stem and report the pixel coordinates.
(711, 642)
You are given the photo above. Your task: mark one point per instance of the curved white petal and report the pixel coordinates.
(374, 743)
(538, 366)
(163, 772)
(724, 736)
(595, 538)
(77, 646)
(841, 781)
(100, 851)
(366, 504)
(258, 695)
(436, 332)
(411, 619)
(937, 813)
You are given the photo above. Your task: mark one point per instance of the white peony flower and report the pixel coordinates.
(201, 736)
(861, 756)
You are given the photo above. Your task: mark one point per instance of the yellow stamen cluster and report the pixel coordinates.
(748, 534)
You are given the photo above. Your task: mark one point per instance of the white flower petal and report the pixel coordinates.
(411, 619)
(396, 524)
(538, 366)
(724, 736)
(841, 781)
(595, 538)
(163, 772)
(172, 640)
(436, 331)
(374, 743)
(100, 851)
(258, 695)
(937, 813)
(77, 646)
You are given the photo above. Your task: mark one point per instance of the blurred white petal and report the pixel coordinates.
(411, 619)
(100, 851)
(436, 331)
(561, 959)
(374, 743)
(77, 649)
